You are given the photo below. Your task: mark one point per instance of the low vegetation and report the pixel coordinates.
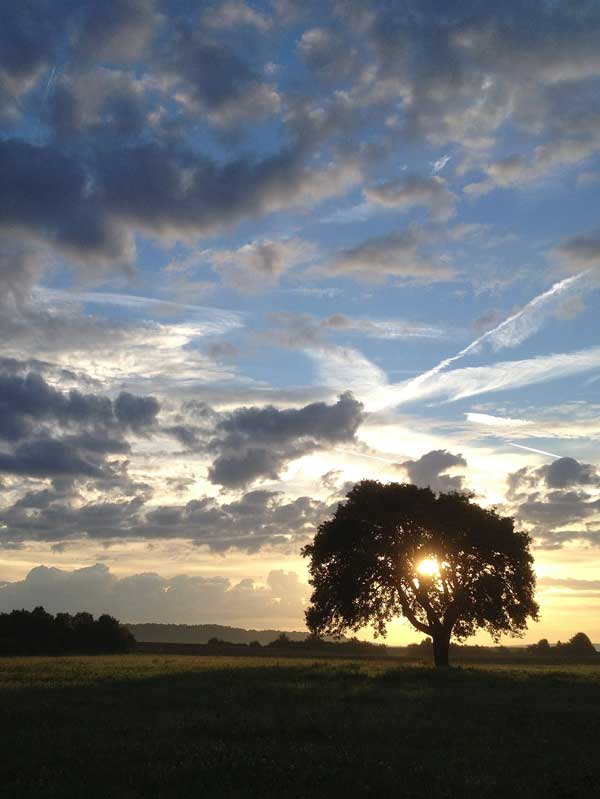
(157, 726)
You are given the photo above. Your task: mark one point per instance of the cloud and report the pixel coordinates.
(149, 597)
(136, 413)
(561, 473)
(501, 376)
(389, 255)
(407, 192)
(430, 470)
(383, 328)
(568, 472)
(119, 33)
(260, 264)
(327, 54)
(512, 331)
(258, 520)
(235, 13)
(210, 78)
(258, 442)
(581, 251)
(559, 500)
(48, 432)
(33, 178)
(113, 340)
(496, 421)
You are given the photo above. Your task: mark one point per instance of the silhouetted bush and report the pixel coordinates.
(577, 646)
(24, 632)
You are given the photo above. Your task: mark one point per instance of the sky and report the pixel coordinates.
(251, 253)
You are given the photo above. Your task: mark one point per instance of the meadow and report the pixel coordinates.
(178, 726)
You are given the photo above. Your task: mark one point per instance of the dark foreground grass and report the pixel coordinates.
(148, 726)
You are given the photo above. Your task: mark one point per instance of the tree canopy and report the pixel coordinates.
(36, 632)
(444, 563)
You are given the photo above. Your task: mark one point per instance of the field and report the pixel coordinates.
(171, 726)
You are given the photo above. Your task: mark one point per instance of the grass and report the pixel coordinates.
(179, 726)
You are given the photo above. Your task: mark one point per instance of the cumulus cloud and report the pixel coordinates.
(149, 597)
(259, 264)
(259, 442)
(390, 255)
(258, 520)
(581, 251)
(47, 432)
(558, 500)
(413, 190)
(431, 470)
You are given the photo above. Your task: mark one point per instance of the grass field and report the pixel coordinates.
(171, 726)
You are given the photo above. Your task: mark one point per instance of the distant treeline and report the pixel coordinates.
(579, 646)
(24, 632)
(203, 633)
(312, 643)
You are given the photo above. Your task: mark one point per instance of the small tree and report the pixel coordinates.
(446, 564)
(579, 644)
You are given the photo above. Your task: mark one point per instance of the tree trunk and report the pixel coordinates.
(441, 649)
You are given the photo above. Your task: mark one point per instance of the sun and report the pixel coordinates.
(428, 567)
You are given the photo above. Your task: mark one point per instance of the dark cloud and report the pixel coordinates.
(47, 458)
(258, 442)
(259, 519)
(30, 34)
(554, 496)
(165, 190)
(558, 508)
(150, 597)
(214, 80)
(117, 31)
(50, 432)
(565, 472)
(430, 470)
(28, 400)
(560, 473)
(46, 195)
(135, 412)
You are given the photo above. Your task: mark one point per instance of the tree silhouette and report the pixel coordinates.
(446, 564)
(579, 644)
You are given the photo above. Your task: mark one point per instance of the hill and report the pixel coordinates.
(203, 633)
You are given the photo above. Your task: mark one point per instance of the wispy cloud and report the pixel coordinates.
(471, 381)
(509, 333)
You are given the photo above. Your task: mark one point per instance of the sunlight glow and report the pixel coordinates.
(428, 567)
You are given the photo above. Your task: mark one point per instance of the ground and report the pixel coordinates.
(178, 726)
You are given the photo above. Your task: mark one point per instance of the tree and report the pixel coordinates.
(579, 644)
(541, 648)
(446, 564)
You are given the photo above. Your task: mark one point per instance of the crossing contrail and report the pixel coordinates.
(497, 333)
(532, 449)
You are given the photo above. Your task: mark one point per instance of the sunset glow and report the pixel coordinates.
(253, 252)
(428, 567)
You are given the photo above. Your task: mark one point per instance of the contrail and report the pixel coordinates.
(557, 288)
(357, 454)
(531, 449)
(50, 79)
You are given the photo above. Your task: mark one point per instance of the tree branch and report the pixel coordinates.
(410, 614)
